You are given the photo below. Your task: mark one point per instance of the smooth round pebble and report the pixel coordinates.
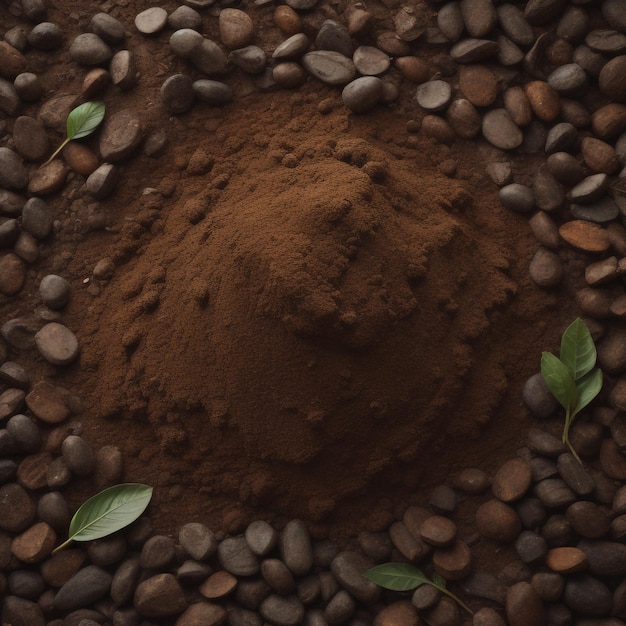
(362, 94)
(151, 21)
(57, 344)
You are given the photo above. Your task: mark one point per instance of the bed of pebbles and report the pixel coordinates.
(544, 75)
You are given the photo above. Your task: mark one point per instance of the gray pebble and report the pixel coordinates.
(57, 344)
(107, 551)
(9, 232)
(606, 558)
(45, 36)
(573, 25)
(450, 20)
(561, 137)
(545, 443)
(13, 174)
(362, 94)
(53, 509)
(123, 70)
(473, 50)
(34, 10)
(102, 181)
(569, 79)
(508, 53)
(479, 16)
(177, 94)
(614, 12)
(193, 572)
(11, 204)
(592, 62)
(546, 269)
(554, 493)
(151, 21)
(54, 291)
(606, 41)
(261, 537)
(434, 95)
(277, 575)
(78, 455)
(329, 67)
(301, 5)
(125, 580)
(566, 168)
(295, 547)
(31, 140)
(87, 586)
(601, 211)
(185, 17)
(25, 433)
(16, 37)
(282, 611)
(37, 218)
(157, 553)
(518, 198)
(108, 28)
(334, 36)
(212, 92)
(14, 375)
(347, 568)
(184, 41)
(499, 130)
(530, 546)
(198, 541)
(370, 61)
(590, 189)
(340, 608)
(292, 47)
(89, 49)
(209, 58)
(251, 59)
(236, 557)
(574, 475)
(515, 26)
(120, 136)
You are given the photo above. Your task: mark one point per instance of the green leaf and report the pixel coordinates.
(559, 380)
(578, 351)
(397, 576)
(84, 119)
(589, 387)
(108, 511)
(439, 581)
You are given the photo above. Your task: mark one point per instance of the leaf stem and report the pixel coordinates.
(63, 545)
(54, 154)
(455, 598)
(565, 439)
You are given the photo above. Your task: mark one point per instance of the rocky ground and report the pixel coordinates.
(528, 98)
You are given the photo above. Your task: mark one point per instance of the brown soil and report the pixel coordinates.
(307, 318)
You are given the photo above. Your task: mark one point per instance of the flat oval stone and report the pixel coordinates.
(514, 24)
(586, 595)
(434, 95)
(585, 236)
(546, 232)
(287, 20)
(569, 79)
(108, 28)
(498, 521)
(524, 607)
(567, 560)
(546, 269)
(78, 455)
(543, 99)
(574, 475)
(609, 121)
(57, 344)
(329, 67)
(18, 508)
(120, 136)
(35, 544)
(612, 79)
(48, 179)
(499, 130)
(236, 557)
(450, 20)
(479, 16)
(102, 181)
(590, 189)
(370, 61)
(123, 70)
(184, 17)
(45, 36)
(89, 49)
(151, 21)
(512, 480)
(348, 568)
(296, 548)
(212, 92)
(289, 74)
(282, 611)
(30, 138)
(473, 50)
(464, 118)
(362, 94)
(209, 58)
(251, 59)
(602, 211)
(12, 274)
(160, 596)
(184, 41)
(554, 493)
(517, 197)
(604, 40)
(588, 519)
(293, 46)
(453, 562)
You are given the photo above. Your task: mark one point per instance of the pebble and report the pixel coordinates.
(78, 455)
(236, 557)
(296, 548)
(251, 59)
(13, 174)
(530, 547)
(567, 560)
(30, 138)
(479, 16)
(499, 130)
(370, 61)
(102, 182)
(261, 537)
(25, 433)
(514, 24)
(546, 269)
(600, 212)
(473, 50)
(34, 544)
(585, 236)
(159, 596)
(14, 62)
(329, 67)
(347, 568)
(512, 480)
(599, 156)
(434, 95)
(205, 613)
(590, 189)
(287, 20)
(543, 99)
(80, 158)
(523, 605)
(48, 179)
(605, 41)
(89, 49)
(606, 558)
(123, 70)
(414, 69)
(588, 519)
(508, 53)
(236, 28)
(52, 508)
(217, 585)
(438, 531)
(198, 541)
(282, 611)
(212, 92)
(54, 291)
(554, 493)
(47, 403)
(18, 508)
(184, 41)
(609, 121)
(399, 613)
(498, 521)
(464, 119)
(561, 138)
(292, 47)
(9, 232)
(478, 84)
(517, 197)
(208, 57)
(362, 94)
(57, 344)
(120, 136)
(45, 36)
(453, 562)
(108, 28)
(157, 553)
(587, 595)
(611, 79)
(538, 398)
(94, 84)
(569, 80)
(12, 274)
(151, 21)
(549, 194)
(450, 21)
(575, 475)
(11, 204)
(289, 75)
(14, 375)
(565, 168)
(185, 17)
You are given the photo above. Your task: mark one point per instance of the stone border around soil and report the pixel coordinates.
(558, 87)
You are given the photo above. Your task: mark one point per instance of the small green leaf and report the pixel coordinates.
(108, 511)
(397, 576)
(559, 380)
(439, 581)
(589, 387)
(84, 119)
(578, 352)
